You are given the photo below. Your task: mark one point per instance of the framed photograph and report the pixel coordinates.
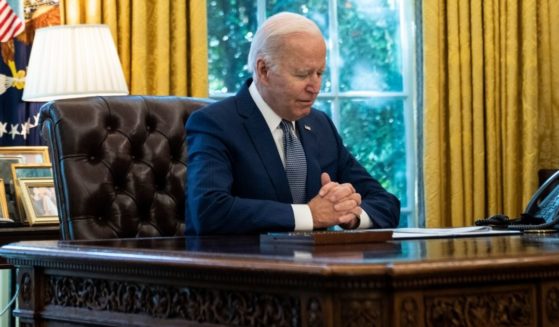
(39, 201)
(18, 154)
(30, 154)
(6, 162)
(27, 171)
(3, 203)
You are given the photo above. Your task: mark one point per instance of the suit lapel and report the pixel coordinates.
(262, 139)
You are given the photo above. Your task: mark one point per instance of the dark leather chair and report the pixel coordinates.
(119, 164)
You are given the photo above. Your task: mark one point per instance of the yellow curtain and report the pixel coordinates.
(161, 44)
(491, 68)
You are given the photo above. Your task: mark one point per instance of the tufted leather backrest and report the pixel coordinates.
(119, 164)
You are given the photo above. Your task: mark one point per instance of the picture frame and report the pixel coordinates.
(27, 171)
(4, 215)
(6, 161)
(39, 201)
(25, 154)
(30, 154)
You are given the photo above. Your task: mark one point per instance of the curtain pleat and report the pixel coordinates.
(490, 67)
(548, 90)
(528, 104)
(198, 60)
(478, 176)
(161, 44)
(490, 70)
(435, 140)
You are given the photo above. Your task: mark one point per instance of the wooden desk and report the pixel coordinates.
(482, 281)
(19, 233)
(15, 234)
(27, 233)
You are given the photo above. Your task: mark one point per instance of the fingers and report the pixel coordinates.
(323, 213)
(324, 179)
(357, 211)
(326, 189)
(328, 186)
(346, 218)
(352, 224)
(335, 204)
(355, 221)
(335, 192)
(326, 183)
(343, 192)
(348, 203)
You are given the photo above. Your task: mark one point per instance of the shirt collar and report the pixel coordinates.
(270, 116)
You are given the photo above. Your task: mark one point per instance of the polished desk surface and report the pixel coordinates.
(9, 234)
(406, 257)
(237, 280)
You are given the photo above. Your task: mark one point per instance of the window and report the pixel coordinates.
(368, 86)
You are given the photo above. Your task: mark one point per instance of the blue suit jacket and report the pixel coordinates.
(236, 182)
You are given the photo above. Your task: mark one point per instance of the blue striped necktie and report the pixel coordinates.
(295, 162)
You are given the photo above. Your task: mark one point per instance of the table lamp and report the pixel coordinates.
(73, 61)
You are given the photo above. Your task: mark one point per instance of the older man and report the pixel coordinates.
(265, 160)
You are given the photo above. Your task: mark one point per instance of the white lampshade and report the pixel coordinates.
(73, 61)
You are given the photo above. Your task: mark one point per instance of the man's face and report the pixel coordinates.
(291, 86)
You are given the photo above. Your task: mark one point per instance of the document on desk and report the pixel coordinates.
(410, 233)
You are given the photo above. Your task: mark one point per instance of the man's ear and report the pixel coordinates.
(262, 70)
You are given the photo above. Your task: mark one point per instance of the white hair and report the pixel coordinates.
(266, 39)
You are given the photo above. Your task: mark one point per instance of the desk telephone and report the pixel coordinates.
(542, 211)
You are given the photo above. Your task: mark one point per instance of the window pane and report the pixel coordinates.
(324, 105)
(231, 25)
(316, 10)
(405, 219)
(369, 45)
(373, 131)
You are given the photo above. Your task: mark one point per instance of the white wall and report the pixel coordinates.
(5, 285)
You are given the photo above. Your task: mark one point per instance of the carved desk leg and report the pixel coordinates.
(549, 299)
(29, 298)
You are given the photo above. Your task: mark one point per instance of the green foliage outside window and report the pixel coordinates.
(369, 46)
(231, 25)
(374, 133)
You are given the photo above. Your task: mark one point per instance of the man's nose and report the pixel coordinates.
(313, 86)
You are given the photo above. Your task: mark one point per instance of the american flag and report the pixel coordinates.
(10, 24)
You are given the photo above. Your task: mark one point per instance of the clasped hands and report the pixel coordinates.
(335, 204)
